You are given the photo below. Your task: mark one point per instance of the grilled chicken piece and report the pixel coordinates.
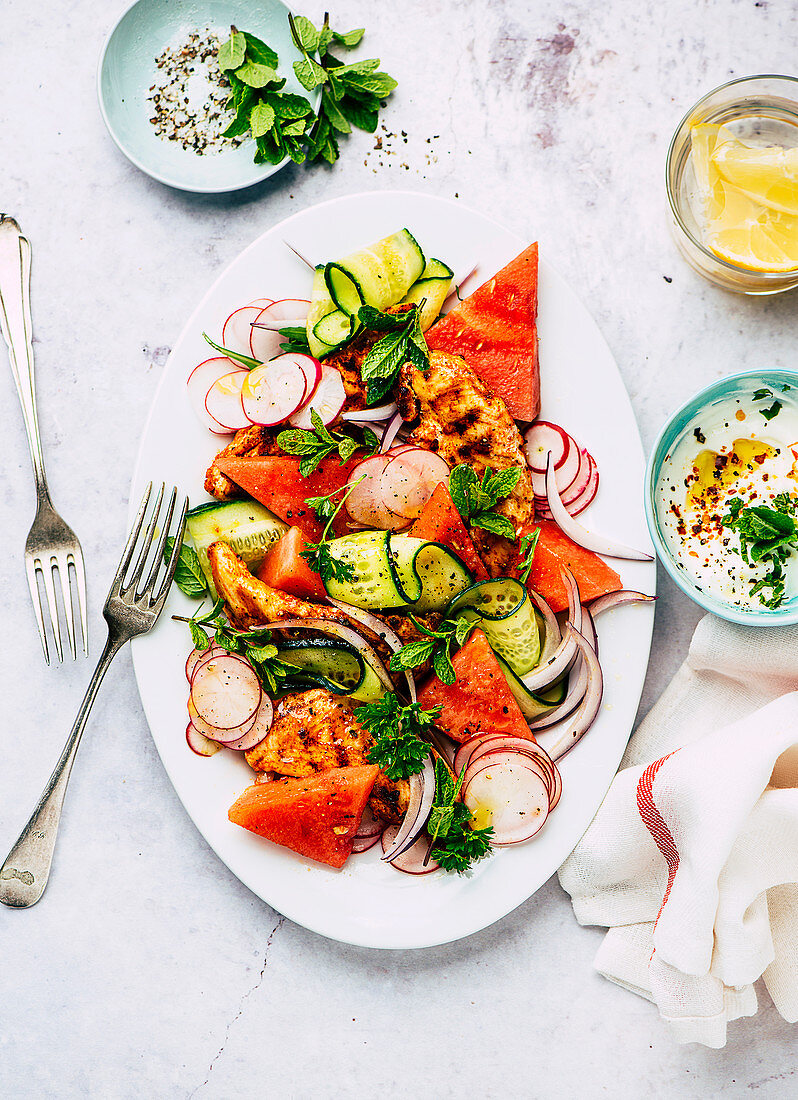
(314, 731)
(252, 603)
(253, 442)
(454, 413)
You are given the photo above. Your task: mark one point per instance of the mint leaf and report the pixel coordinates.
(260, 52)
(232, 52)
(309, 74)
(774, 410)
(255, 75)
(348, 38)
(495, 523)
(189, 576)
(306, 33)
(261, 119)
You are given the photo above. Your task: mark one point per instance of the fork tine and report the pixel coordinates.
(80, 584)
(130, 545)
(61, 568)
(158, 560)
(173, 558)
(49, 591)
(35, 596)
(138, 569)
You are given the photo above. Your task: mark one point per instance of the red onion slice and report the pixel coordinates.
(389, 436)
(545, 675)
(571, 730)
(552, 634)
(422, 795)
(382, 630)
(370, 416)
(615, 599)
(411, 860)
(577, 685)
(575, 531)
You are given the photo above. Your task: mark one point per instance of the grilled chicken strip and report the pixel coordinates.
(453, 412)
(314, 731)
(254, 442)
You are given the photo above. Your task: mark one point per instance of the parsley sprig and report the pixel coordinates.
(318, 444)
(403, 342)
(318, 555)
(351, 95)
(437, 645)
(475, 499)
(767, 536)
(455, 844)
(399, 748)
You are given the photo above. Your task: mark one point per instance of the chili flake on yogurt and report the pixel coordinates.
(739, 457)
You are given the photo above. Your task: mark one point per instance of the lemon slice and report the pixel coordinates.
(769, 176)
(736, 225)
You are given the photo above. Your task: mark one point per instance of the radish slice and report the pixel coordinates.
(260, 728)
(364, 843)
(261, 303)
(237, 328)
(328, 400)
(365, 503)
(223, 401)
(213, 650)
(199, 743)
(542, 438)
(200, 381)
(311, 368)
(410, 860)
(578, 534)
(193, 659)
(369, 826)
(370, 416)
(226, 692)
(224, 737)
(515, 796)
(402, 490)
(432, 467)
(273, 392)
(586, 497)
(264, 343)
(285, 313)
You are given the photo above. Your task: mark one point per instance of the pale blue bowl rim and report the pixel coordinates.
(672, 429)
(220, 189)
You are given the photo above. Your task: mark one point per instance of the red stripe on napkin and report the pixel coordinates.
(653, 821)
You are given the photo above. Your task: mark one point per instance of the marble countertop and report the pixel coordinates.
(148, 969)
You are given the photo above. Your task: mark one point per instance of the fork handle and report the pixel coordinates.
(17, 329)
(24, 874)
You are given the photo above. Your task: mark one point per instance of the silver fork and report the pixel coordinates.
(52, 546)
(129, 611)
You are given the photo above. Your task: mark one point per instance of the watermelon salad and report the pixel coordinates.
(400, 598)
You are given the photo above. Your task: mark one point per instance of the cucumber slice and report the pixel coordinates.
(246, 526)
(378, 275)
(321, 304)
(508, 620)
(334, 328)
(531, 705)
(433, 571)
(375, 583)
(393, 571)
(332, 664)
(433, 289)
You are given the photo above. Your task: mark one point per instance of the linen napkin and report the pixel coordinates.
(691, 862)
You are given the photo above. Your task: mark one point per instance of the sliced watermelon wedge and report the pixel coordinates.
(440, 521)
(316, 817)
(495, 331)
(480, 700)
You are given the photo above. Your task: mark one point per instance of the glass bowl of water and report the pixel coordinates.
(761, 112)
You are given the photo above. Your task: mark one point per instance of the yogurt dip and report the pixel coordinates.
(740, 448)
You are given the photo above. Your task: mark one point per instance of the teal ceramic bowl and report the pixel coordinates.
(733, 386)
(127, 71)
